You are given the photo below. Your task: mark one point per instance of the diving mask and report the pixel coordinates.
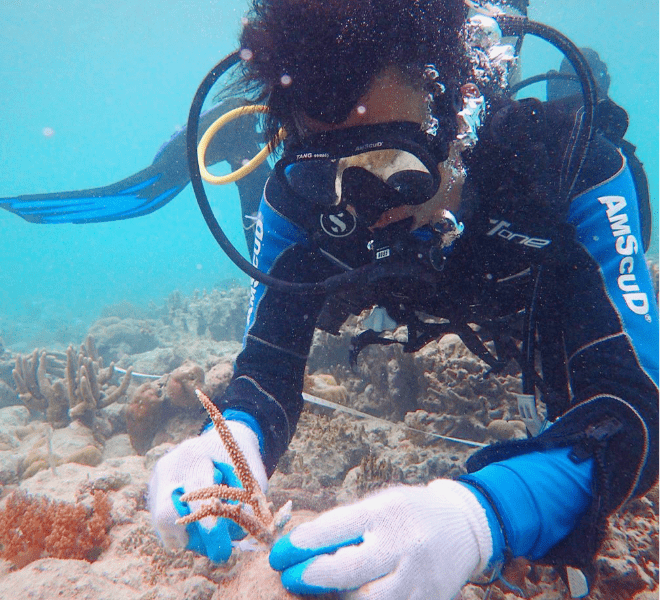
(358, 192)
(364, 170)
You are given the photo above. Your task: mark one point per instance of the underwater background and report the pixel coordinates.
(90, 92)
(92, 89)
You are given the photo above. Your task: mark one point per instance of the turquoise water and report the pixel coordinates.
(114, 80)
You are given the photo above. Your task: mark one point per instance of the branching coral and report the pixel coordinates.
(250, 508)
(33, 527)
(27, 372)
(86, 377)
(83, 388)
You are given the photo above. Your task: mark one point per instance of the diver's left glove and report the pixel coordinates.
(198, 463)
(419, 543)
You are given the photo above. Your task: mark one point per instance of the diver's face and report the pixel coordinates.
(392, 98)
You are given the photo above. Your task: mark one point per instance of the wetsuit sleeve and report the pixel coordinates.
(538, 497)
(608, 320)
(269, 371)
(611, 330)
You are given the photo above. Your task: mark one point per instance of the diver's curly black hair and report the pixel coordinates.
(318, 57)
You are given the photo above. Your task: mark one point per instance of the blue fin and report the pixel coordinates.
(149, 189)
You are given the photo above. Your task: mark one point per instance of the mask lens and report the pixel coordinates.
(314, 180)
(325, 180)
(399, 169)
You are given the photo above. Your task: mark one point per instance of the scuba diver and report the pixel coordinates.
(517, 228)
(397, 192)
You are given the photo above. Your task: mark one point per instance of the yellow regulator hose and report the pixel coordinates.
(247, 168)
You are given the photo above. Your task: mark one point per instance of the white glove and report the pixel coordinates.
(198, 463)
(412, 543)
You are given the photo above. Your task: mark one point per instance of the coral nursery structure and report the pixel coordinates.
(249, 507)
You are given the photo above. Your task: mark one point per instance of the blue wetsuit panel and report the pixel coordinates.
(539, 496)
(607, 223)
(273, 235)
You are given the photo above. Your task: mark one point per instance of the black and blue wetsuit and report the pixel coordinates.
(579, 268)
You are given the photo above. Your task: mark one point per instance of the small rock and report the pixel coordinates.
(89, 455)
(199, 588)
(9, 464)
(155, 454)
(14, 416)
(118, 446)
(8, 396)
(501, 430)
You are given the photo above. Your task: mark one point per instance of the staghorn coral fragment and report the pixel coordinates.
(252, 511)
(217, 491)
(236, 513)
(240, 464)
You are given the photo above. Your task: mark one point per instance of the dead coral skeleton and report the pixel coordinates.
(82, 386)
(34, 387)
(249, 507)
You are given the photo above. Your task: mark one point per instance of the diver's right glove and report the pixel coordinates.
(198, 463)
(419, 543)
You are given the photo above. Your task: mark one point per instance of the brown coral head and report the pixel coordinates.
(182, 383)
(144, 416)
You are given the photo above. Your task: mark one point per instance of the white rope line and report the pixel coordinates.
(134, 374)
(351, 411)
(357, 413)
